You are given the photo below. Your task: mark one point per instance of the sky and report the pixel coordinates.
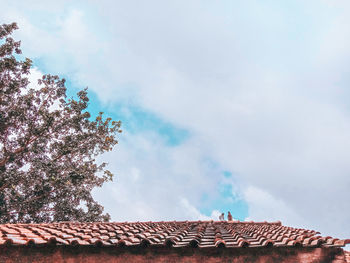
(238, 106)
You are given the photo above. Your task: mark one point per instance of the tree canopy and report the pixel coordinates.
(48, 145)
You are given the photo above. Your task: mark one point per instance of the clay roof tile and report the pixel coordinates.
(201, 234)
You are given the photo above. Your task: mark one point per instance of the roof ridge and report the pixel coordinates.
(151, 222)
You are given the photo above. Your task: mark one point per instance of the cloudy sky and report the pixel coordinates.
(240, 106)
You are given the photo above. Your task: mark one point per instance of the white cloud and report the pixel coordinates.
(33, 77)
(261, 87)
(154, 181)
(264, 207)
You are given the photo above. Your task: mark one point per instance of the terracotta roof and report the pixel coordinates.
(202, 234)
(347, 256)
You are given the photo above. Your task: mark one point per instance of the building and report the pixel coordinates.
(186, 241)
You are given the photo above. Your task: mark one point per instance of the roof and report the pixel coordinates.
(347, 256)
(202, 234)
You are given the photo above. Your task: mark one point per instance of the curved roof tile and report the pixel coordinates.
(202, 234)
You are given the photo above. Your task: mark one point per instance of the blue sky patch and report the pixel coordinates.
(134, 119)
(225, 200)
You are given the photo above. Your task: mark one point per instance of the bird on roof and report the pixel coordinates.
(229, 216)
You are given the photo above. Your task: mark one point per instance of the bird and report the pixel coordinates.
(229, 216)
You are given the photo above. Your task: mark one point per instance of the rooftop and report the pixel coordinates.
(202, 234)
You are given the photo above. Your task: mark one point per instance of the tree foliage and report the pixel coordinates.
(48, 145)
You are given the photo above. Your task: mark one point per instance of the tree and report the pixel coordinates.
(48, 145)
